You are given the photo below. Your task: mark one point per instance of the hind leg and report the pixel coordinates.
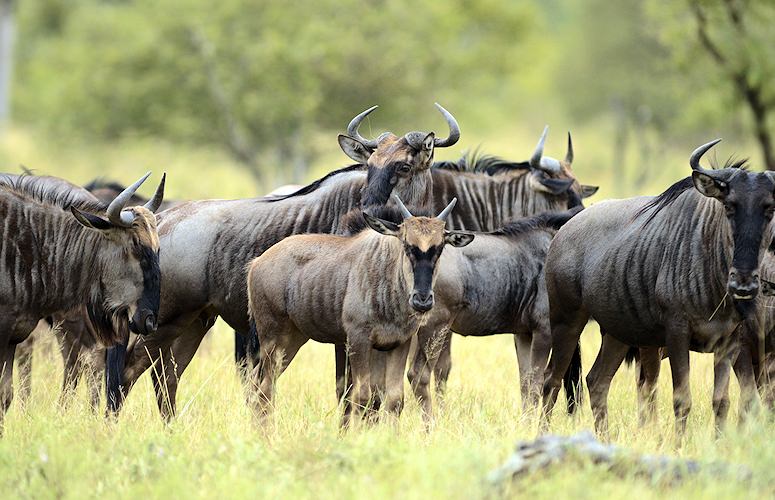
(443, 365)
(24, 367)
(647, 375)
(566, 332)
(610, 357)
(522, 345)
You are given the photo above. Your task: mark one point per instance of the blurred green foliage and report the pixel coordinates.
(262, 80)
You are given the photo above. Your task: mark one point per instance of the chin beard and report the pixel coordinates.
(110, 325)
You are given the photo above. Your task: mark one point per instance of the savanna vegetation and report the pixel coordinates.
(235, 97)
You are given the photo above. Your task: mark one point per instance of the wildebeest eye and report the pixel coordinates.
(404, 167)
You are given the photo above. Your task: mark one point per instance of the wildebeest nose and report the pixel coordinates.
(150, 324)
(422, 302)
(743, 286)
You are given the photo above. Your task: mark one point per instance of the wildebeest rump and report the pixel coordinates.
(656, 272)
(370, 291)
(59, 252)
(206, 245)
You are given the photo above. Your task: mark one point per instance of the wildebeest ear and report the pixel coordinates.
(90, 221)
(427, 143)
(458, 239)
(768, 288)
(587, 191)
(380, 225)
(355, 149)
(709, 186)
(540, 182)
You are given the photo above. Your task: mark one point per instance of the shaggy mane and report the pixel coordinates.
(474, 162)
(672, 193)
(544, 220)
(51, 191)
(316, 184)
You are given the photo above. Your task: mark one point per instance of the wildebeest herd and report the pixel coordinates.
(385, 259)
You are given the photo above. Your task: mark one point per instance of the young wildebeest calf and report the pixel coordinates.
(370, 290)
(495, 285)
(655, 272)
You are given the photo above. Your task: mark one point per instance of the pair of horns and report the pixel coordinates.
(116, 214)
(454, 129)
(547, 163)
(442, 215)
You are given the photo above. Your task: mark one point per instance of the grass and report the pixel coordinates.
(214, 449)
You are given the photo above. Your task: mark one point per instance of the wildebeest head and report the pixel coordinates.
(749, 202)
(129, 293)
(423, 239)
(395, 162)
(555, 177)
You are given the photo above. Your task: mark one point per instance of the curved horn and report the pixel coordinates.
(454, 129)
(535, 160)
(694, 159)
(569, 152)
(352, 129)
(115, 214)
(404, 211)
(444, 213)
(155, 202)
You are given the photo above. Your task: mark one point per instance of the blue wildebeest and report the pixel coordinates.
(82, 352)
(372, 290)
(59, 253)
(206, 245)
(493, 192)
(656, 272)
(495, 285)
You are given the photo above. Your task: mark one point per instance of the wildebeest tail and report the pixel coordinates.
(632, 356)
(572, 382)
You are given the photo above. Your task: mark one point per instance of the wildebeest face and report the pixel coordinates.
(749, 203)
(423, 240)
(130, 284)
(554, 178)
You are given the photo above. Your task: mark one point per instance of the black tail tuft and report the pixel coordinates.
(632, 356)
(572, 382)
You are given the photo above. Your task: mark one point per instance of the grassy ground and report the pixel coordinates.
(213, 449)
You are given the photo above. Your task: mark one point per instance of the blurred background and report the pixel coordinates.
(235, 97)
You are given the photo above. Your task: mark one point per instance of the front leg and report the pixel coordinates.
(648, 366)
(395, 366)
(360, 365)
(677, 340)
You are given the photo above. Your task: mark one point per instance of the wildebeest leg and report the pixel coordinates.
(522, 345)
(173, 362)
(722, 366)
(116, 387)
(377, 378)
(24, 359)
(342, 362)
(360, 354)
(395, 367)
(71, 357)
(428, 339)
(677, 340)
(275, 354)
(566, 332)
(767, 381)
(744, 370)
(648, 365)
(7, 352)
(95, 367)
(599, 378)
(443, 365)
(540, 347)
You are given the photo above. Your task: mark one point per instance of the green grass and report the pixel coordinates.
(214, 448)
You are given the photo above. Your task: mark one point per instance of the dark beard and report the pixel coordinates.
(109, 326)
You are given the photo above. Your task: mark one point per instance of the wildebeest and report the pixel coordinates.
(657, 272)
(82, 353)
(494, 192)
(58, 253)
(494, 285)
(370, 291)
(206, 245)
